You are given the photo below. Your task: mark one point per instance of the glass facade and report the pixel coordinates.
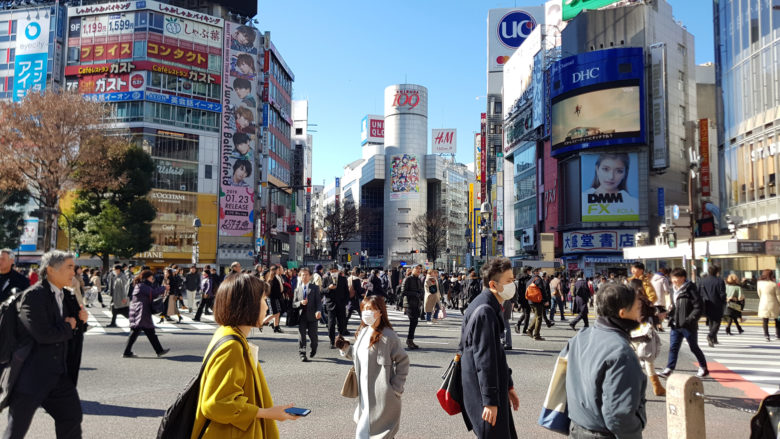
(525, 188)
(748, 43)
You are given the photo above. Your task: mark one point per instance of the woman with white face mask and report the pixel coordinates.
(381, 366)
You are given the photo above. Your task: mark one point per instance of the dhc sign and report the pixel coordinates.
(514, 28)
(585, 75)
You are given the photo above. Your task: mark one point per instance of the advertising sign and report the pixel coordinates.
(483, 158)
(598, 100)
(610, 187)
(171, 52)
(587, 241)
(444, 141)
(115, 97)
(659, 110)
(704, 153)
(404, 177)
(32, 53)
(28, 242)
(372, 129)
(196, 104)
(112, 84)
(519, 74)
(103, 25)
(106, 51)
(195, 32)
(573, 7)
(127, 67)
(106, 8)
(507, 29)
(239, 133)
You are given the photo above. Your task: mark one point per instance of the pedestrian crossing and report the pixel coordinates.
(99, 319)
(748, 355)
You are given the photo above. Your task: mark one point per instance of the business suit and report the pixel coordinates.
(336, 304)
(712, 290)
(44, 380)
(307, 323)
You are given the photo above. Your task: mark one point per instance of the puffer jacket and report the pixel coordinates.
(687, 308)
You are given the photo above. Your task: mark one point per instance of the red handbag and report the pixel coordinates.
(450, 394)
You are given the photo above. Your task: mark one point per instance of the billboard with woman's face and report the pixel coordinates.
(610, 187)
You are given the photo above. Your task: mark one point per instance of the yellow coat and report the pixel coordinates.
(649, 289)
(232, 389)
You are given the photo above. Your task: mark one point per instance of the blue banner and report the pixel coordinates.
(115, 97)
(29, 74)
(184, 102)
(661, 202)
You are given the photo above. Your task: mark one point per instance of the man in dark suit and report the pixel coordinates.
(335, 289)
(46, 325)
(10, 278)
(712, 290)
(307, 299)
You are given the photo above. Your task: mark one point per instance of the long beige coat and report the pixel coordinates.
(769, 299)
(431, 298)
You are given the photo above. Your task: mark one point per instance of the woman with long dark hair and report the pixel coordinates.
(381, 365)
(144, 293)
(169, 304)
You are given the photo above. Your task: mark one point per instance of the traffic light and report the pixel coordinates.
(294, 228)
(671, 239)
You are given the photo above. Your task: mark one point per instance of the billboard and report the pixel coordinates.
(597, 99)
(610, 187)
(404, 177)
(28, 242)
(32, 54)
(239, 132)
(372, 129)
(507, 29)
(704, 154)
(659, 110)
(444, 141)
(573, 7)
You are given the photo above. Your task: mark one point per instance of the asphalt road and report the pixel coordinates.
(125, 398)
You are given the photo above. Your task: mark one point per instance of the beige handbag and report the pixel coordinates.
(350, 387)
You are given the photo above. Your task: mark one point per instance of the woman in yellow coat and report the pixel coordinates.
(234, 400)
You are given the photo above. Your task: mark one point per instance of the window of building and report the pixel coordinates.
(207, 172)
(139, 49)
(4, 28)
(74, 54)
(215, 63)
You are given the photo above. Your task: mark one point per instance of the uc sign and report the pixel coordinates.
(514, 28)
(406, 98)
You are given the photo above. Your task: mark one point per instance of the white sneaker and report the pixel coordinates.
(702, 372)
(665, 373)
(430, 323)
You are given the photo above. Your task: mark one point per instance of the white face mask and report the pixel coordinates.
(509, 291)
(369, 317)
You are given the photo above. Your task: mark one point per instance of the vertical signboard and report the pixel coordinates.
(704, 153)
(507, 29)
(404, 177)
(239, 132)
(660, 133)
(444, 141)
(483, 159)
(28, 242)
(372, 129)
(32, 54)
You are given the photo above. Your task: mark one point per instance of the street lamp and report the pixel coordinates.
(196, 245)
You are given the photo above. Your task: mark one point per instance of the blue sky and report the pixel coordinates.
(344, 54)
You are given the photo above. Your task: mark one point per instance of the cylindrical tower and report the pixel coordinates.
(406, 143)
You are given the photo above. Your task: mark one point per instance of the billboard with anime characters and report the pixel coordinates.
(404, 177)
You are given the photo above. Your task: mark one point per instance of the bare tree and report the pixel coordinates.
(429, 231)
(53, 143)
(341, 224)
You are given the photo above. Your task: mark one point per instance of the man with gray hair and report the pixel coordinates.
(46, 326)
(10, 278)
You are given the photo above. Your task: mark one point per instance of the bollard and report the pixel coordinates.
(685, 407)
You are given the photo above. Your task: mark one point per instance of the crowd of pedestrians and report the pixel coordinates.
(610, 360)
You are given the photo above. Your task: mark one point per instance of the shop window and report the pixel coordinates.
(139, 49)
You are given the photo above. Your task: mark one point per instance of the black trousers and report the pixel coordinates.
(582, 305)
(765, 323)
(204, 304)
(75, 346)
(119, 312)
(60, 400)
(714, 328)
(525, 316)
(337, 315)
(307, 327)
(150, 334)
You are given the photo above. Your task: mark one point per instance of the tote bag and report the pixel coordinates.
(555, 413)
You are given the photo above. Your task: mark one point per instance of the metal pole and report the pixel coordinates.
(268, 227)
(692, 211)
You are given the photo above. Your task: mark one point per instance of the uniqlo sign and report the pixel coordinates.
(372, 129)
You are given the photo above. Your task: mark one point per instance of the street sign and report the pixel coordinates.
(676, 212)
(259, 242)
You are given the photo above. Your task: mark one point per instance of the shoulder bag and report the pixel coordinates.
(180, 416)
(350, 387)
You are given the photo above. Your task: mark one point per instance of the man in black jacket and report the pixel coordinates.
(412, 293)
(684, 320)
(307, 300)
(539, 313)
(46, 326)
(192, 285)
(335, 289)
(525, 316)
(10, 278)
(712, 290)
(581, 295)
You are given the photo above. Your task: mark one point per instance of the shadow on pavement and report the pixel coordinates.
(99, 409)
(184, 358)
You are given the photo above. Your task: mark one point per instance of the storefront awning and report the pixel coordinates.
(719, 246)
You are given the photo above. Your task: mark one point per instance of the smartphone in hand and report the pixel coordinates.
(295, 411)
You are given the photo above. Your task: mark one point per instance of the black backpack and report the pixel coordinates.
(180, 416)
(475, 287)
(9, 316)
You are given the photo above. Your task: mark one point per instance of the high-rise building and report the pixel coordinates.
(747, 52)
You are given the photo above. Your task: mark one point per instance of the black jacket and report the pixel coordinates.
(581, 290)
(13, 279)
(687, 309)
(712, 290)
(394, 277)
(41, 325)
(338, 296)
(412, 291)
(485, 373)
(192, 281)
